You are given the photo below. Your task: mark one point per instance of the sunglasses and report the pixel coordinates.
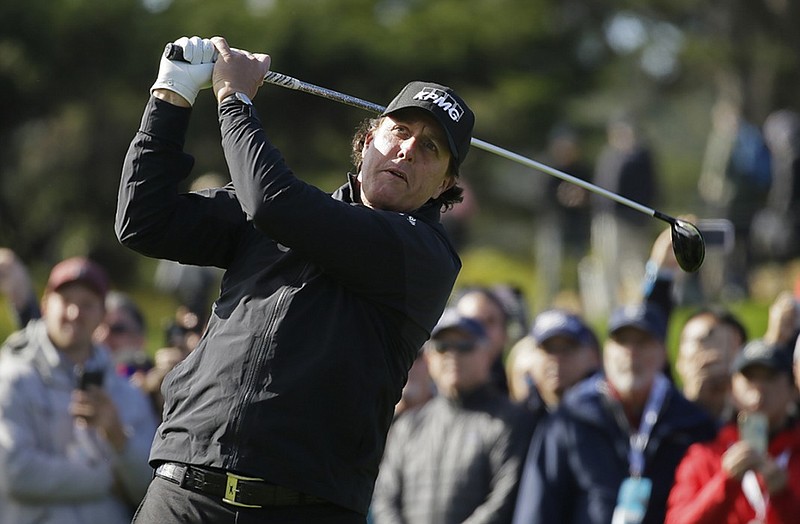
(120, 329)
(462, 346)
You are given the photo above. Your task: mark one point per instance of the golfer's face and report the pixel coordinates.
(405, 162)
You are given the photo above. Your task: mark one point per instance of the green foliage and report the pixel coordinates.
(75, 76)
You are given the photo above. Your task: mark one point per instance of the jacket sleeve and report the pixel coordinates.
(153, 217)
(546, 477)
(506, 461)
(386, 252)
(696, 498)
(524, 509)
(387, 498)
(786, 504)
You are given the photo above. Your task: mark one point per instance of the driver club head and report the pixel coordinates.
(688, 245)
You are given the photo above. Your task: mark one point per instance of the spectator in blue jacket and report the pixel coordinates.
(609, 453)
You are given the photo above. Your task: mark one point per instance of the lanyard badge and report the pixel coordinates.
(634, 495)
(634, 492)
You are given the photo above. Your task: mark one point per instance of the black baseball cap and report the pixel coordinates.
(449, 109)
(451, 319)
(760, 353)
(555, 322)
(646, 316)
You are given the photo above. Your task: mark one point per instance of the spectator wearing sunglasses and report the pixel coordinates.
(123, 330)
(456, 458)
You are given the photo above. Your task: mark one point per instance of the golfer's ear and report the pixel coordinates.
(368, 137)
(448, 182)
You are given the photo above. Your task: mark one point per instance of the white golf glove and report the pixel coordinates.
(189, 76)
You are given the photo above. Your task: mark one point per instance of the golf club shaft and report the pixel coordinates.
(175, 52)
(289, 82)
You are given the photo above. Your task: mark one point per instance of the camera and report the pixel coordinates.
(87, 378)
(754, 429)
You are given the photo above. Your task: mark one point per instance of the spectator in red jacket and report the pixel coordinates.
(749, 473)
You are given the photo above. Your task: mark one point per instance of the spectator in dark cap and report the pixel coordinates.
(457, 458)
(751, 471)
(609, 452)
(565, 350)
(73, 449)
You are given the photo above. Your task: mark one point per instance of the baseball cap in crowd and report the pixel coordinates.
(79, 269)
(556, 322)
(446, 106)
(760, 353)
(647, 317)
(452, 319)
(797, 349)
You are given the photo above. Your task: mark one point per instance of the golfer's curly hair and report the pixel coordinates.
(445, 201)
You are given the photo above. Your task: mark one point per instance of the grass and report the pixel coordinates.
(482, 266)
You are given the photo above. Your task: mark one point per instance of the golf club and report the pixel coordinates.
(687, 241)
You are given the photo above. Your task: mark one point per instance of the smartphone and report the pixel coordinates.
(753, 428)
(87, 378)
(718, 233)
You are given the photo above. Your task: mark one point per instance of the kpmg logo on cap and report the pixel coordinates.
(442, 100)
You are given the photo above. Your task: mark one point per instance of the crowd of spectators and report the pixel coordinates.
(503, 419)
(506, 416)
(618, 432)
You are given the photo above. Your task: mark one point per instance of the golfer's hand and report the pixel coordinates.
(186, 78)
(237, 70)
(740, 458)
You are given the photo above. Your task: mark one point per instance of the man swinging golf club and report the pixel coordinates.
(281, 412)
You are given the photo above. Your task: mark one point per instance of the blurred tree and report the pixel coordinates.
(74, 78)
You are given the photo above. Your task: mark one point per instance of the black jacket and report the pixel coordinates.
(323, 307)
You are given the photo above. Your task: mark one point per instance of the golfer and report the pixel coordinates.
(281, 412)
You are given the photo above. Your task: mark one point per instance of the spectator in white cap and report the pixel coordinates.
(457, 458)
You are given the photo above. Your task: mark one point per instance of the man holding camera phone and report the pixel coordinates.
(75, 435)
(751, 472)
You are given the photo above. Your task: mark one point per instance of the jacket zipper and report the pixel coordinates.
(263, 355)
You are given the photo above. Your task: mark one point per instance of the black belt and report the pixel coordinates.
(234, 489)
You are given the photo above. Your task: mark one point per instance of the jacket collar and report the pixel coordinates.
(585, 401)
(351, 194)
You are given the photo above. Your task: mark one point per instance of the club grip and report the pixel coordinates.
(174, 52)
